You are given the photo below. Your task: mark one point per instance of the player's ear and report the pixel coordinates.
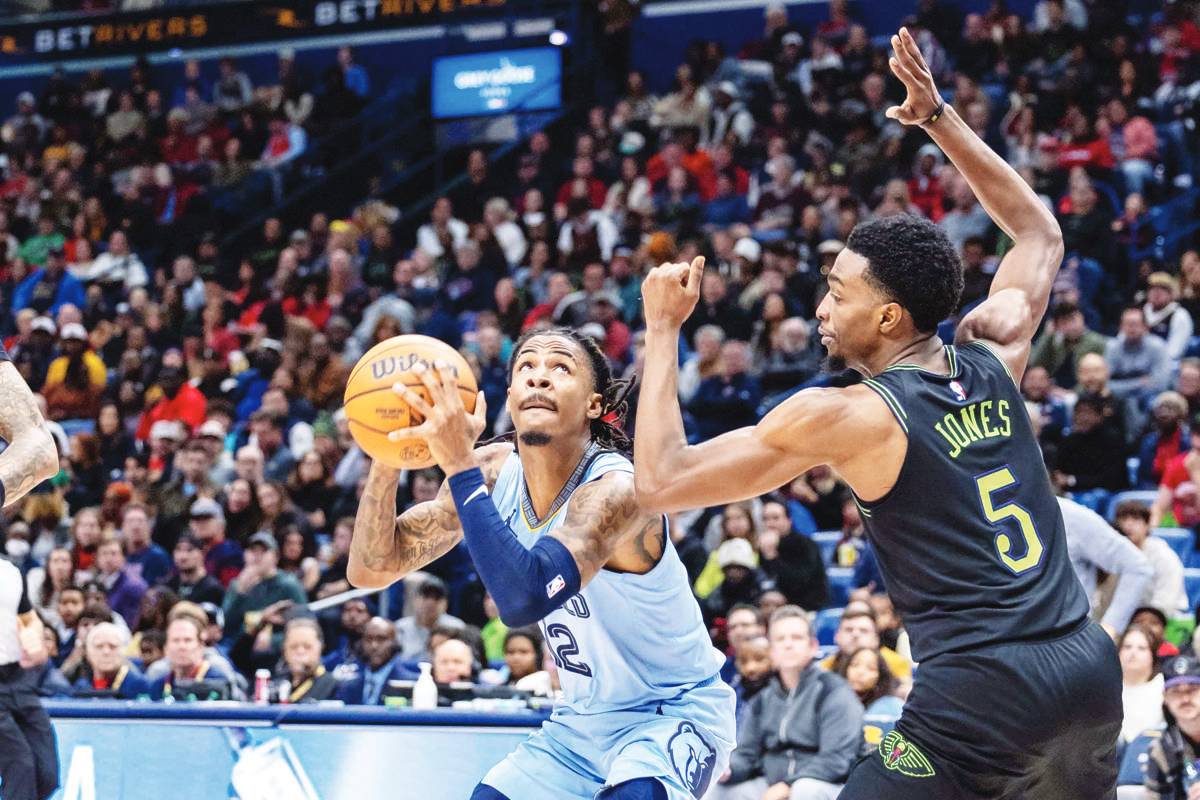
(595, 409)
(890, 315)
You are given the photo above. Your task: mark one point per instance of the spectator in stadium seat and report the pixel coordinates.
(355, 614)
(1064, 342)
(233, 89)
(742, 581)
(858, 629)
(118, 270)
(444, 233)
(753, 665)
(1036, 387)
(1170, 437)
(802, 732)
(124, 588)
(1165, 318)
(1171, 755)
(587, 234)
(356, 77)
(49, 288)
(180, 401)
(1166, 590)
(729, 399)
(1091, 460)
(743, 622)
(185, 659)
(454, 661)
(222, 558)
(791, 560)
(469, 285)
(260, 584)
(107, 668)
(189, 580)
(1139, 363)
(311, 682)
(1142, 683)
(429, 612)
(524, 652)
(868, 675)
(1187, 383)
(364, 678)
(268, 430)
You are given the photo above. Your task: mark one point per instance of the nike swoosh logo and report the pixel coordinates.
(482, 490)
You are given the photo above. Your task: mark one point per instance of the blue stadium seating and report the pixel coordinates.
(841, 581)
(827, 540)
(826, 624)
(1141, 495)
(1180, 539)
(1191, 583)
(1136, 753)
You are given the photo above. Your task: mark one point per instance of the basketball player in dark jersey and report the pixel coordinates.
(1018, 695)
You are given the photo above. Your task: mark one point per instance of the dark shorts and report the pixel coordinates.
(1021, 721)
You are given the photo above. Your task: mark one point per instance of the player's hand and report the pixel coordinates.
(780, 791)
(909, 66)
(670, 292)
(448, 430)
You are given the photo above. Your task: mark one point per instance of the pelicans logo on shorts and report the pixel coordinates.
(692, 758)
(901, 755)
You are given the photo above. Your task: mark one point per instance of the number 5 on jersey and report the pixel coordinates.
(991, 482)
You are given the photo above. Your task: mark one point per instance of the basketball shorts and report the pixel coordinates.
(1020, 721)
(684, 743)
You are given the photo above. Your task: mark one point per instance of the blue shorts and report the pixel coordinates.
(684, 742)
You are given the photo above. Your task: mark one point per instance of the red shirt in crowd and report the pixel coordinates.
(597, 192)
(1175, 474)
(1095, 153)
(188, 406)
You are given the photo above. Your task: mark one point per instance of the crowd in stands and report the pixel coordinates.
(209, 481)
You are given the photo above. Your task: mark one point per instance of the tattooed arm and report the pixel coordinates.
(384, 547)
(606, 527)
(31, 456)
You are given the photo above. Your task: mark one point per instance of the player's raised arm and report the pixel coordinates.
(816, 426)
(1021, 288)
(31, 456)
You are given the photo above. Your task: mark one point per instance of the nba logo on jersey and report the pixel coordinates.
(958, 390)
(555, 586)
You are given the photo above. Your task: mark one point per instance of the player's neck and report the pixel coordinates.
(548, 468)
(925, 352)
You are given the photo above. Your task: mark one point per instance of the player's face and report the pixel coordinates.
(791, 644)
(862, 673)
(850, 314)
(550, 394)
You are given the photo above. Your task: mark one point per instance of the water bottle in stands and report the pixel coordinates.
(285, 691)
(425, 693)
(262, 686)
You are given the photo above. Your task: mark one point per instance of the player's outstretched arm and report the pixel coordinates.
(31, 456)
(386, 547)
(1021, 288)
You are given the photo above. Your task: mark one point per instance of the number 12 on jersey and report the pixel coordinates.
(991, 482)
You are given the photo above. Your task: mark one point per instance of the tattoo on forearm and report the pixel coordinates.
(25, 462)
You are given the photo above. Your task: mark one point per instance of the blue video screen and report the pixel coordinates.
(502, 82)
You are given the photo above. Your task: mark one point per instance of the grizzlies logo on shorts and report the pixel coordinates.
(692, 758)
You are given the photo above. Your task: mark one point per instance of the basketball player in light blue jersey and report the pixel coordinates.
(556, 534)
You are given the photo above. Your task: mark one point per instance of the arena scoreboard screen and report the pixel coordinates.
(500, 82)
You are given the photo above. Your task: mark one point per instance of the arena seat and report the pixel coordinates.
(1141, 495)
(1136, 753)
(827, 540)
(826, 624)
(1182, 541)
(841, 581)
(1191, 584)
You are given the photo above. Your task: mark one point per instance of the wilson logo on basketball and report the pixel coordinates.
(389, 365)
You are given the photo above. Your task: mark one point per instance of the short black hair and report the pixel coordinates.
(912, 262)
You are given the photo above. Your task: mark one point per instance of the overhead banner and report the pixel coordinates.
(99, 35)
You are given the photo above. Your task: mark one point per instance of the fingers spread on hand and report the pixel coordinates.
(415, 401)
(480, 407)
(449, 384)
(415, 432)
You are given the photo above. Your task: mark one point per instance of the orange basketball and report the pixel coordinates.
(374, 410)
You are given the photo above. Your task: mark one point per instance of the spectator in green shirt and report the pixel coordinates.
(259, 585)
(37, 247)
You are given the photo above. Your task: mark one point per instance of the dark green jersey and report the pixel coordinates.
(970, 539)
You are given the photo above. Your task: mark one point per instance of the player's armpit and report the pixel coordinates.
(605, 521)
(31, 456)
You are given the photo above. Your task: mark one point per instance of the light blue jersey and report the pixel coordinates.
(639, 674)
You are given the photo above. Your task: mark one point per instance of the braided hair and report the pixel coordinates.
(614, 393)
